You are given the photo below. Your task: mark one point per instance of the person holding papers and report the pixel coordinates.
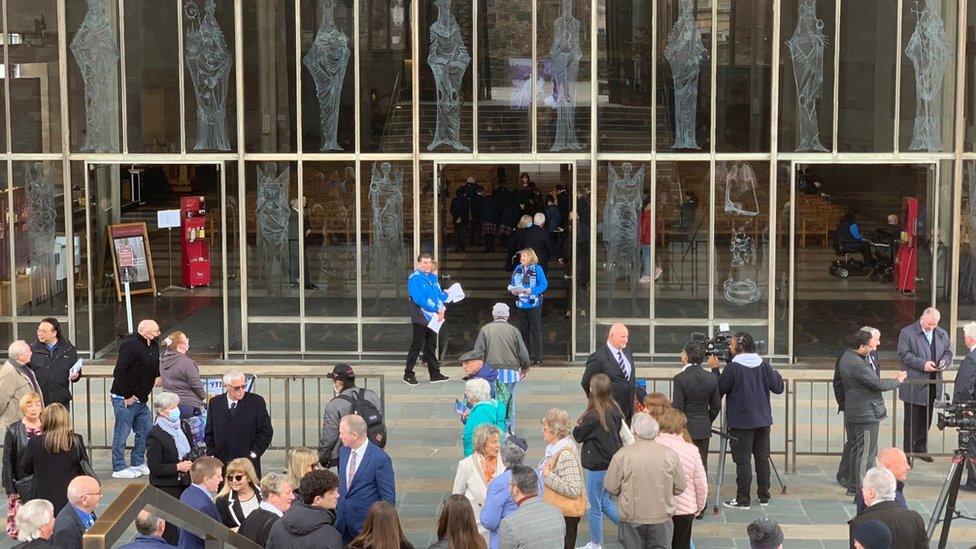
(54, 362)
(527, 285)
(427, 306)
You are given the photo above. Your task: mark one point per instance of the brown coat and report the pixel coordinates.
(13, 386)
(645, 476)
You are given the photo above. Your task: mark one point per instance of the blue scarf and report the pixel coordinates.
(174, 430)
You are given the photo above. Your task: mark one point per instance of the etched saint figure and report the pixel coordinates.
(386, 259)
(565, 54)
(41, 225)
(209, 61)
(272, 216)
(807, 50)
(741, 197)
(929, 50)
(327, 60)
(684, 54)
(97, 53)
(448, 60)
(621, 221)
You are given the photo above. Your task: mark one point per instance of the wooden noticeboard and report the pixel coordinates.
(131, 256)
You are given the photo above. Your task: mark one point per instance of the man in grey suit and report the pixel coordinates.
(864, 404)
(843, 470)
(966, 392)
(536, 524)
(925, 351)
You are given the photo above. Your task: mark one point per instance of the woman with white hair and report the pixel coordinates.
(475, 472)
(477, 393)
(169, 453)
(35, 523)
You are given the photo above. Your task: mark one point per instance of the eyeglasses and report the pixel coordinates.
(98, 493)
(235, 387)
(236, 478)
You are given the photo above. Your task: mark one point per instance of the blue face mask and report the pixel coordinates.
(174, 414)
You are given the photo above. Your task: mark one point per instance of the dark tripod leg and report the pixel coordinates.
(723, 448)
(943, 497)
(950, 510)
(778, 478)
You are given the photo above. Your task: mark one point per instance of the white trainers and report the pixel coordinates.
(642, 280)
(127, 473)
(143, 469)
(591, 545)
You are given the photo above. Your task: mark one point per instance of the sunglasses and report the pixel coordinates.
(236, 478)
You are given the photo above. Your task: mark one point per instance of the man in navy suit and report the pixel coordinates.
(365, 477)
(616, 360)
(238, 424)
(205, 474)
(966, 392)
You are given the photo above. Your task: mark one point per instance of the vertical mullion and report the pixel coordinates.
(836, 99)
(897, 128)
(791, 230)
(594, 167)
(534, 74)
(959, 146)
(415, 99)
(88, 263)
(241, 176)
(652, 298)
(357, 106)
(10, 179)
(774, 152)
(474, 79)
(224, 298)
(181, 59)
(359, 250)
(574, 282)
(6, 100)
(300, 170)
(69, 230)
(122, 80)
(713, 85)
(936, 205)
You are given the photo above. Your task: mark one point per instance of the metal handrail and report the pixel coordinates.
(115, 520)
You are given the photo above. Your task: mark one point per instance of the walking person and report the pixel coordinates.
(426, 302)
(16, 380)
(136, 373)
(347, 395)
(52, 359)
(169, 453)
(181, 375)
(528, 283)
(695, 393)
(692, 501)
(498, 500)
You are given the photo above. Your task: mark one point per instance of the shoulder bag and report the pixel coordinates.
(569, 507)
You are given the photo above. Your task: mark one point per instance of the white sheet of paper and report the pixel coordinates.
(168, 219)
(75, 369)
(455, 293)
(435, 324)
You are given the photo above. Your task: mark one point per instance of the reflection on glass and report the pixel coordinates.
(685, 55)
(621, 223)
(272, 217)
(565, 54)
(681, 221)
(97, 54)
(327, 60)
(386, 250)
(448, 60)
(504, 75)
(929, 51)
(742, 201)
(386, 119)
(807, 50)
(41, 221)
(209, 61)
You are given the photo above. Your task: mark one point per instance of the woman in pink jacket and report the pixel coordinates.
(694, 499)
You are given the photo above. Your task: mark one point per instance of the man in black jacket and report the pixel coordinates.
(535, 237)
(309, 522)
(695, 392)
(52, 358)
(78, 515)
(843, 469)
(136, 373)
(278, 495)
(238, 424)
(616, 360)
(966, 392)
(907, 527)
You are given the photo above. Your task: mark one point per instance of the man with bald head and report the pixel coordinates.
(78, 515)
(925, 351)
(894, 460)
(616, 360)
(136, 372)
(16, 380)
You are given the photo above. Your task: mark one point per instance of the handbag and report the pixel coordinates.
(25, 488)
(569, 507)
(86, 466)
(626, 436)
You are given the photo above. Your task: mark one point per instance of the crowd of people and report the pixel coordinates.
(639, 460)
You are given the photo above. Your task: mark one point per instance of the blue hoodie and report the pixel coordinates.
(746, 383)
(426, 296)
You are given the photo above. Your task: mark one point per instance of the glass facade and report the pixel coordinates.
(701, 153)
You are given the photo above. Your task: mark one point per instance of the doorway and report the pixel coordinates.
(175, 271)
(479, 251)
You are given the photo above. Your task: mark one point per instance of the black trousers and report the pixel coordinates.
(293, 264)
(681, 538)
(460, 237)
(702, 445)
(572, 525)
(530, 324)
(749, 444)
(844, 468)
(916, 426)
(424, 339)
(172, 534)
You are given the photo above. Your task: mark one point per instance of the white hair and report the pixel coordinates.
(882, 482)
(477, 389)
(231, 376)
(931, 311)
(969, 330)
(31, 517)
(16, 349)
(873, 331)
(539, 219)
(165, 400)
(144, 325)
(644, 426)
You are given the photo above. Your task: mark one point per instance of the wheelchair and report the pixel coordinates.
(880, 270)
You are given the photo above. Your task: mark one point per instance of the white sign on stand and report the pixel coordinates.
(168, 219)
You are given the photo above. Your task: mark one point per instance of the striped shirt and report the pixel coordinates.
(508, 376)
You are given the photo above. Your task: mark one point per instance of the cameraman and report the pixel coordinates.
(864, 405)
(966, 392)
(746, 383)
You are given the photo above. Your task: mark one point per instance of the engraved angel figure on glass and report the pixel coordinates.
(621, 220)
(97, 53)
(209, 61)
(929, 50)
(41, 196)
(327, 60)
(272, 216)
(448, 60)
(684, 53)
(565, 54)
(807, 50)
(386, 257)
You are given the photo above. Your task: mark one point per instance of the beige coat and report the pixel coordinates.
(645, 476)
(13, 386)
(470, 481)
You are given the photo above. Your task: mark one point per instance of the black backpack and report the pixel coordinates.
(375, 428)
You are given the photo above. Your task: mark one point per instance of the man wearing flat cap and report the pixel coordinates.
(344, 383)
(500, 345)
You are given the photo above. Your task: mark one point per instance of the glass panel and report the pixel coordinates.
(563, 99)
(806, 81)
(639, 340)
(625, 64)
(680, 237)
(8, 236)
(386, 195)
(386, 337)
(928, 75)
(741, 239)
(745, 30)
(232, 217)
(386, 113)
(209, 79)
(274, 337)
(44, 254)
(967, 244)
(269, 76)
(505, 75)
(104, 184)
(35, 90)
(328, 85)
(784, 202)
(684, 37)
(671, 340)
(80, 203)
(330, 238)
(623, 201)
(867, 76)
(445, 76)
(94, 100)
(969, 101)
(945, 244)
(272, 267)
(152, 76)
(338, 338)
(581, 261)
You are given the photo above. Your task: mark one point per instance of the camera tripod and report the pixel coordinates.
(945, 507)
(723, 450)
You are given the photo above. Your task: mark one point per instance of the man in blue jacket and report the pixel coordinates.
(746, 383)
(426, 302)
(206, 476)
(365, 477)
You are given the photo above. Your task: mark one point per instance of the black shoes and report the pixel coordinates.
(438, 378)
(926, 459)
(410, 379)
(763, 502)
(733, 504)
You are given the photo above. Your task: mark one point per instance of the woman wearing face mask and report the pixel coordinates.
(181, 375)
(168, 453)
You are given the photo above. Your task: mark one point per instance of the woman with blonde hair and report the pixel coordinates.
(181, 375)
(528, 283)
(56, 457)
(475, 472)
(240, 495)
(15, 442)
(560, 470)
(656, 404)
(693, 500)
(301, 461)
